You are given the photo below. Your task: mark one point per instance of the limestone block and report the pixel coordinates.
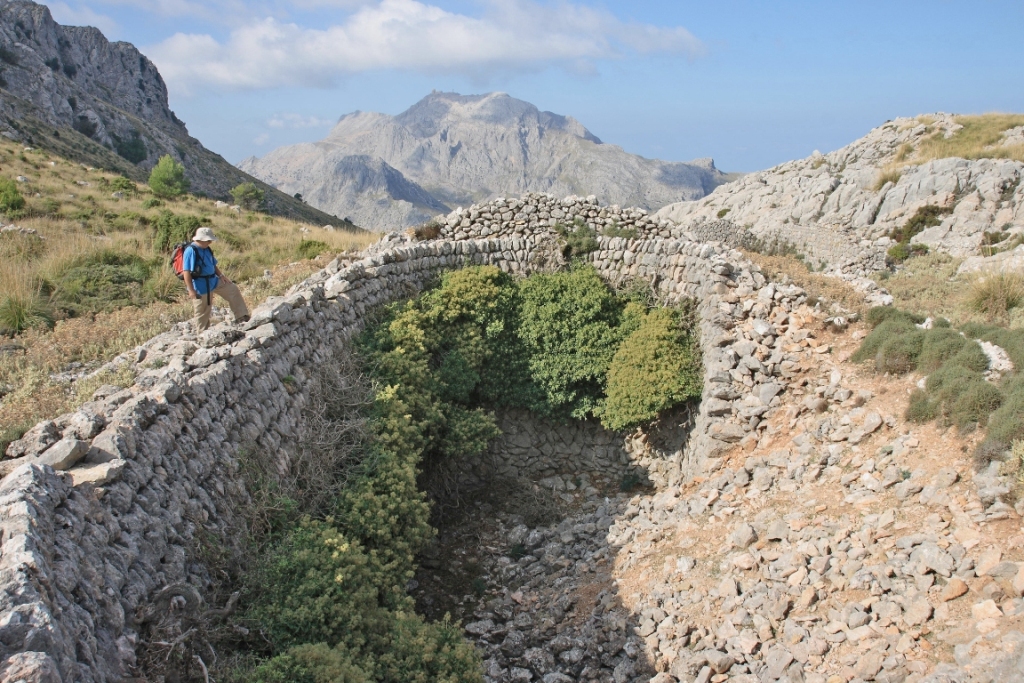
(63, 454)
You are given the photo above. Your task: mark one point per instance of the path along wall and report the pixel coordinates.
(146, 469)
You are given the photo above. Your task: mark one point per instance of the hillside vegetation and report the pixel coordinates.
(84, 272)
(979, 138)
(329, 595)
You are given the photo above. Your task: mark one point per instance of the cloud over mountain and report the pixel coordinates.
(411, 35)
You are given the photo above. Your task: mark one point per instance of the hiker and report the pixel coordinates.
(203, 279)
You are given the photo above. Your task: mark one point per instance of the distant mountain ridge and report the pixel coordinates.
(71, 91)
(456, 149)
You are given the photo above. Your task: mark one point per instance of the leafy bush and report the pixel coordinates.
(248, 196)
(151, 203)
(940, 344)
(899, 353)
(580, 239)
(890, 328)
(974, 404)
(616, 231)
(901, 252)
(309, 249)
(1006, 424)
(102, 281)
(170, 229)
(167, 179)
(925, 217)
(656, 367)
(722, 213)
(921, 409)
(571, 326)
(10, 198)
(122, 184)
(879, 314)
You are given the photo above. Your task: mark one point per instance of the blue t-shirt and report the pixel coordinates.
(207, 267)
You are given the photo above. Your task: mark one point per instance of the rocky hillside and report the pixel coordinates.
(451, 149)
(841, 208)
(69, 90)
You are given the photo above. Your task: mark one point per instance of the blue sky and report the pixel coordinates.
(752, 84)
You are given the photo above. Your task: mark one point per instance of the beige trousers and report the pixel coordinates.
(226, 290)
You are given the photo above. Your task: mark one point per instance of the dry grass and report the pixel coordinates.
(995, 295)
(978, 139)
(79, 221)
(818, 287)
(929, 286)
(887, 175)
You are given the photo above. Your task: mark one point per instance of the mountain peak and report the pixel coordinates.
(460, 149)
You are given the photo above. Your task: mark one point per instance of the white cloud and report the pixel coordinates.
(261, 139)
(411, 35)
(64, 14)
(298, 121)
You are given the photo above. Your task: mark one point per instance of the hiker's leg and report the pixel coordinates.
(229, 292)
(200, 314)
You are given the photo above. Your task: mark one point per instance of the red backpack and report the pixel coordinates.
(178, 260)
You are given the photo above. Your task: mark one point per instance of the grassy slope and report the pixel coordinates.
(217, 175)
(103, 309)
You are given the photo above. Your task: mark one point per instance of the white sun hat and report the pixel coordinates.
(204, 235)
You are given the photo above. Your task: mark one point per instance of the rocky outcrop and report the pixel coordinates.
(839, 208)
(462, 149)
(70, 90)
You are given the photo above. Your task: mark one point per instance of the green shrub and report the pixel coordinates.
(722, 213)
(167, 179)
(317, 663)
(571, 329)
(309, 249)
(879, 314)
(248, 196)
(656, 367)
(898, 354)
(945, 384)
(940, 344)
(122, 184)
(971, 357)
(890, 328)
(170, 229)
(19, 313)
(925, 217)
(1011, 341)
(102, 281)
(616, 231)
(1006, 424)
(580, 239)
(974, 404)
(10, 198)
(921, 409)
(151, 202)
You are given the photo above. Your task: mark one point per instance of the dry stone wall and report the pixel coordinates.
(101, 507)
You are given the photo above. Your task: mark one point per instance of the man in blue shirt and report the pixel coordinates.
(203, 279)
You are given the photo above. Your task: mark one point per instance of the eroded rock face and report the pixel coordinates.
(832, 209)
